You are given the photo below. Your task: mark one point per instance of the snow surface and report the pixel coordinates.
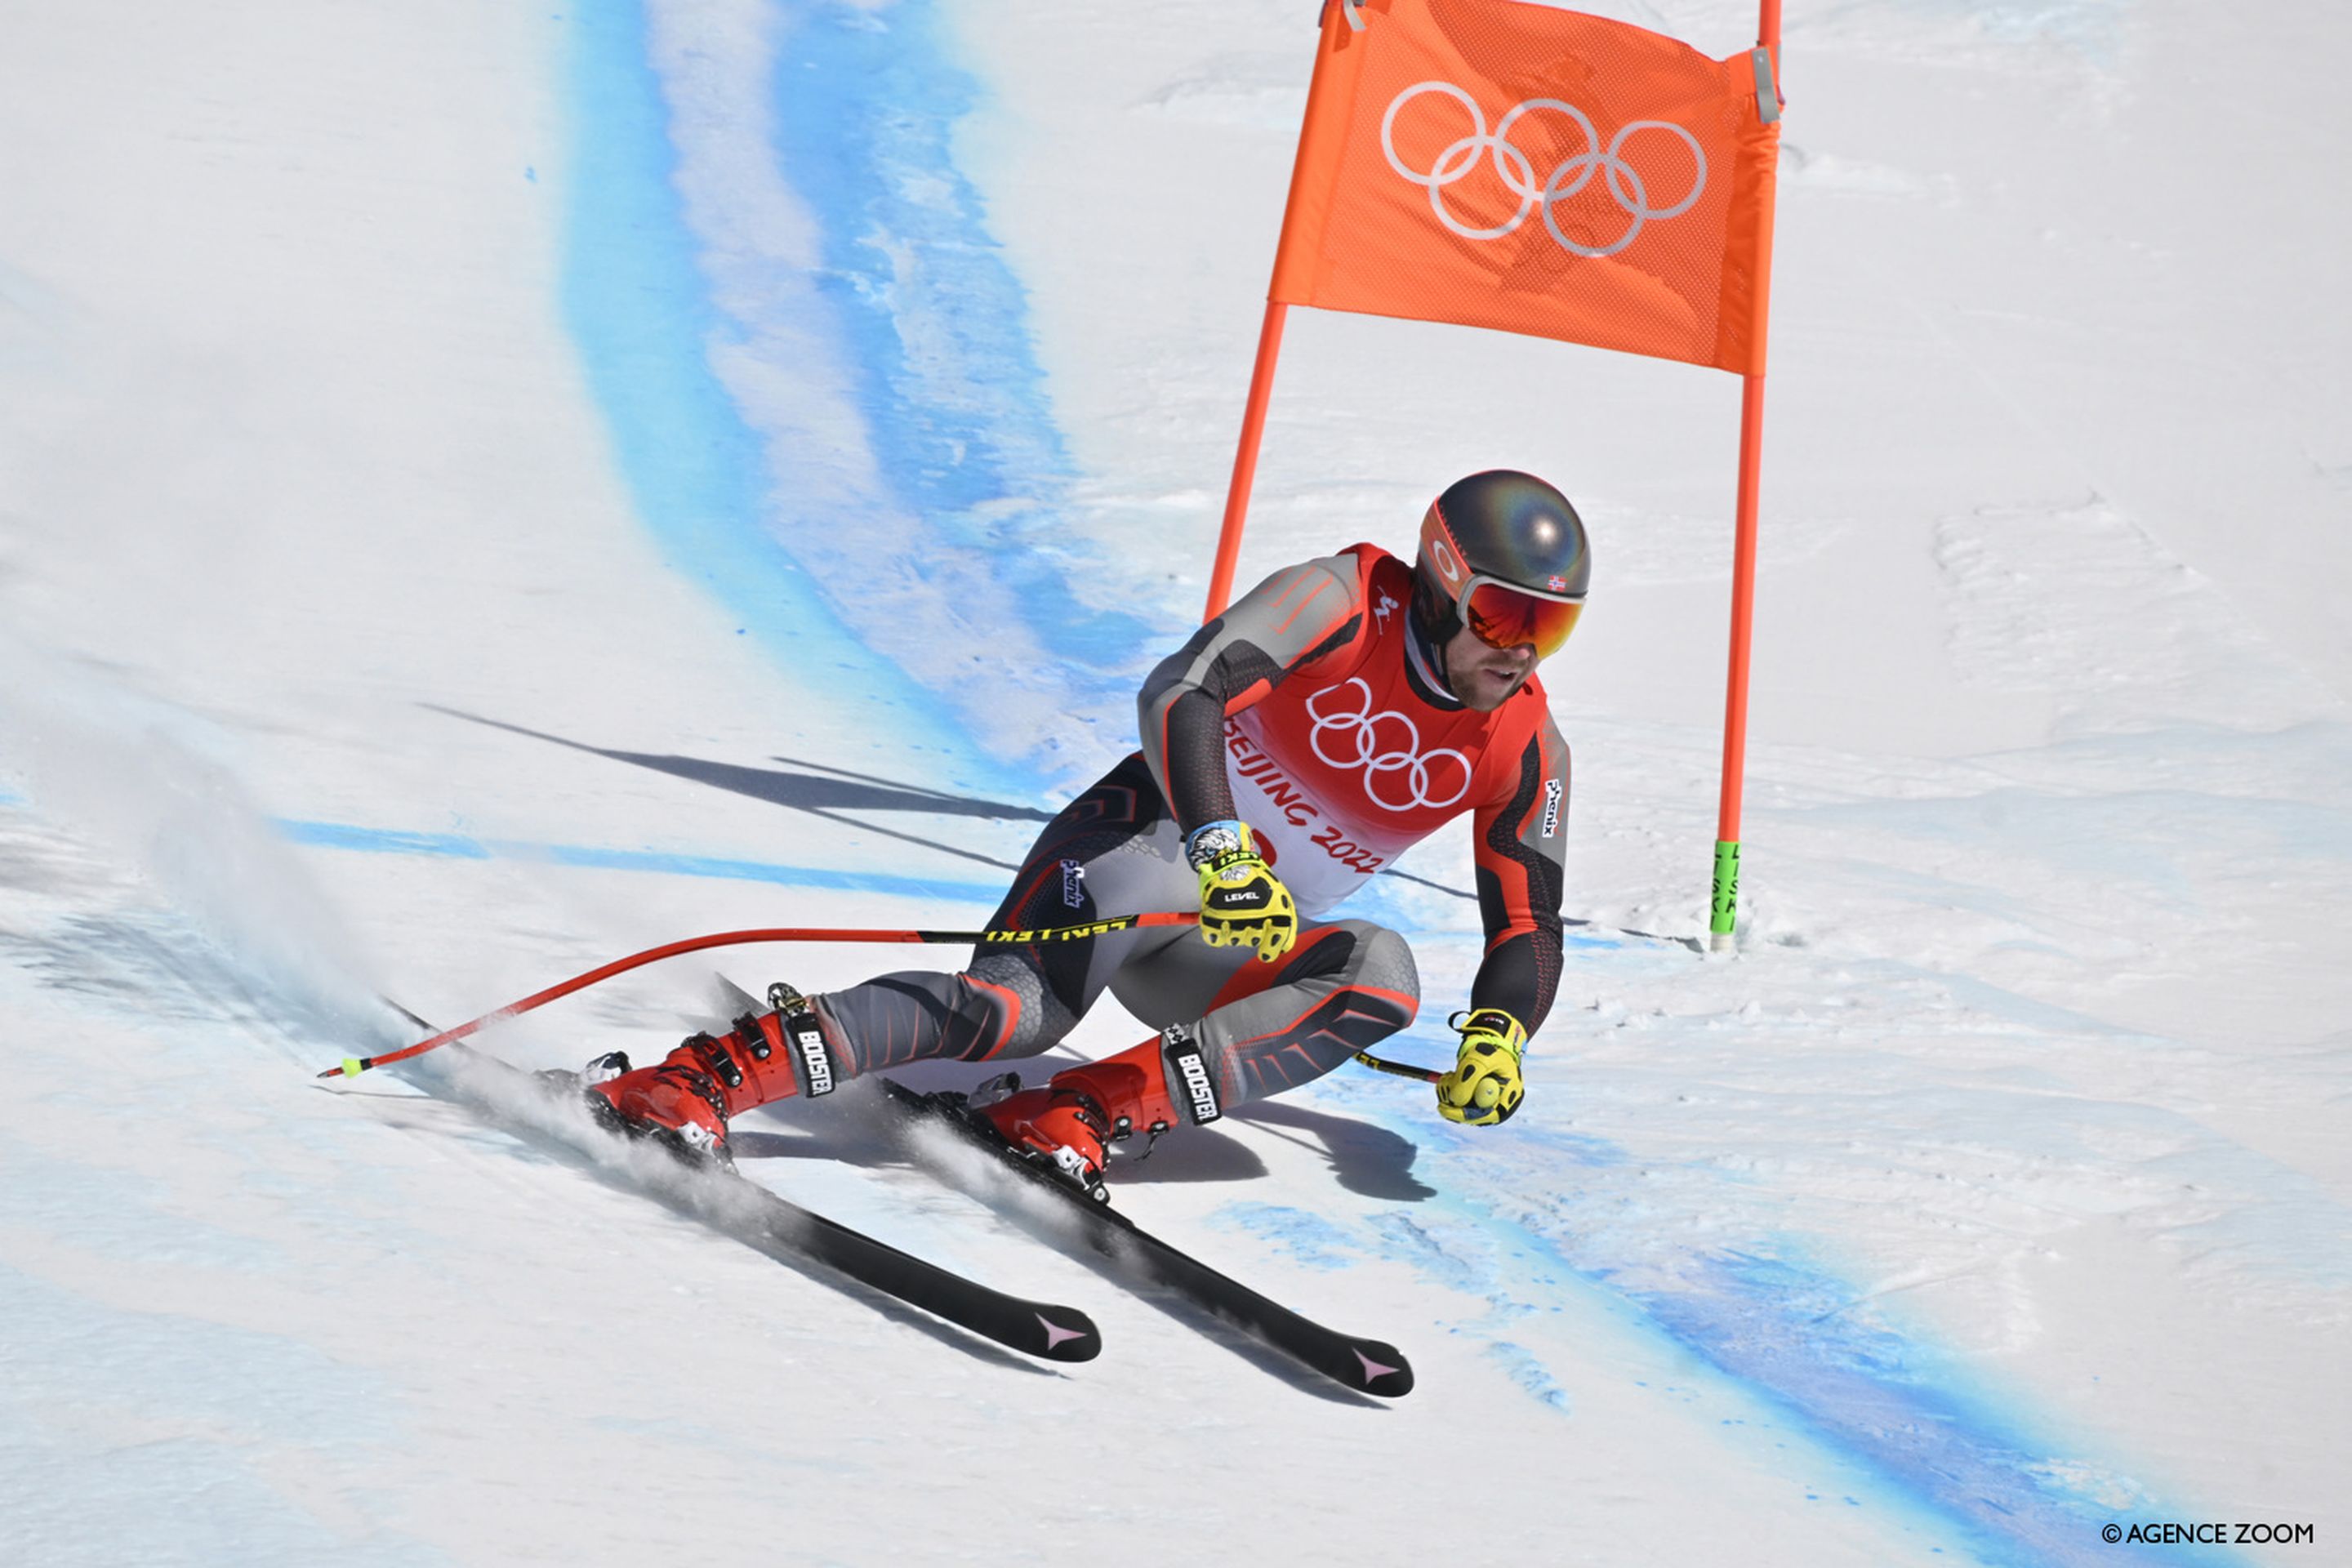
(484, 490)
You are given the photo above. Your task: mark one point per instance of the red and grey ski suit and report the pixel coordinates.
(1313, 710)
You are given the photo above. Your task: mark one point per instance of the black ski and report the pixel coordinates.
(731, 1202)
(1368, 1366)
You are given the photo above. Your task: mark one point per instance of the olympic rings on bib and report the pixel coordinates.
(1625, 185)
(1386, 743)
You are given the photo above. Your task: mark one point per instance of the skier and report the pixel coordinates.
(1298, 742)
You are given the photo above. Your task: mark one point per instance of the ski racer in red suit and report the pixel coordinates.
(1341, 710)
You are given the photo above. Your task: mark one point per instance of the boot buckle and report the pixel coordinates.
(1003, 1086)
(605, 1068)
(754, 1038)
(721, 1059)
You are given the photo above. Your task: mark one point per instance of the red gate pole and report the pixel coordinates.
(1724, 903)
(1237, 494)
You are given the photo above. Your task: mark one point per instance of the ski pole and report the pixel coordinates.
(1399, 1069)
(351, 1066)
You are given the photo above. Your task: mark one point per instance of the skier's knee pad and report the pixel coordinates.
(1018, 1011)
(1358, 954)
(1387, 966)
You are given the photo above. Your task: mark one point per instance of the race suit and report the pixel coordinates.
(1313, 710)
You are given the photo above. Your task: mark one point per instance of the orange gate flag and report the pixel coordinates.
(1498, 164)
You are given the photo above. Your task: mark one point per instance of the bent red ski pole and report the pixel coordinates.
(351, 1066)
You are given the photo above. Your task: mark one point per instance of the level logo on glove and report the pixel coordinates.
(1242, 903)
(1485, 1085)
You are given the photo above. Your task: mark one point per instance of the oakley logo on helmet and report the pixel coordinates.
(1398, 776)
(1441, 556)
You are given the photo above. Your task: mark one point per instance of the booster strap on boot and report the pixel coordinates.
(1190, 1082)
(804, 1041)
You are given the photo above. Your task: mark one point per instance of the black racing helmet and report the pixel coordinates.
(1505, 555)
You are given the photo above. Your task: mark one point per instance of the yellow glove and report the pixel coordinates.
(1485, 1085)
(1242, 903)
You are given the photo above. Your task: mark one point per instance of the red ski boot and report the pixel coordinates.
(686, 1098)
(1068, 1122)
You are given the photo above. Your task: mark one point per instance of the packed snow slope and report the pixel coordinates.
(485, 488)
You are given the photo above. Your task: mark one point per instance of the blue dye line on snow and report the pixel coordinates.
(934, 323)
(459, 847)
(867, 103)
(1862, 1392)
(215, 1406)
(635, 303)
(1784, 1333)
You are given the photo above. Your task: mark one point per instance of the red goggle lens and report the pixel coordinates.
(1505, 617)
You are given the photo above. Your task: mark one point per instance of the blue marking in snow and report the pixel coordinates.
(935, 340)
(594, 858)
(458, 846)
(211, 1412)
(1528, 1372)
(381, 840)
(867, 102)
(111, 1214)
(2092, 30)
(1786, 1333)
(1868, 1392)
(1309, 1238)
(634, 302)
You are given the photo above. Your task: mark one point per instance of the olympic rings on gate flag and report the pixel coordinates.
(1402, 755)
(1572, 174)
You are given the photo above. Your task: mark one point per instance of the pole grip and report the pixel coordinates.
(1397, 1069)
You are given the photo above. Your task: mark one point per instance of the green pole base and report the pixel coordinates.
(1724, 907)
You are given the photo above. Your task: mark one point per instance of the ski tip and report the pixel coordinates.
(1072, 1337)
(1381, 1369)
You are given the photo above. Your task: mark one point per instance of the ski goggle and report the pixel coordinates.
(1502, 615)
